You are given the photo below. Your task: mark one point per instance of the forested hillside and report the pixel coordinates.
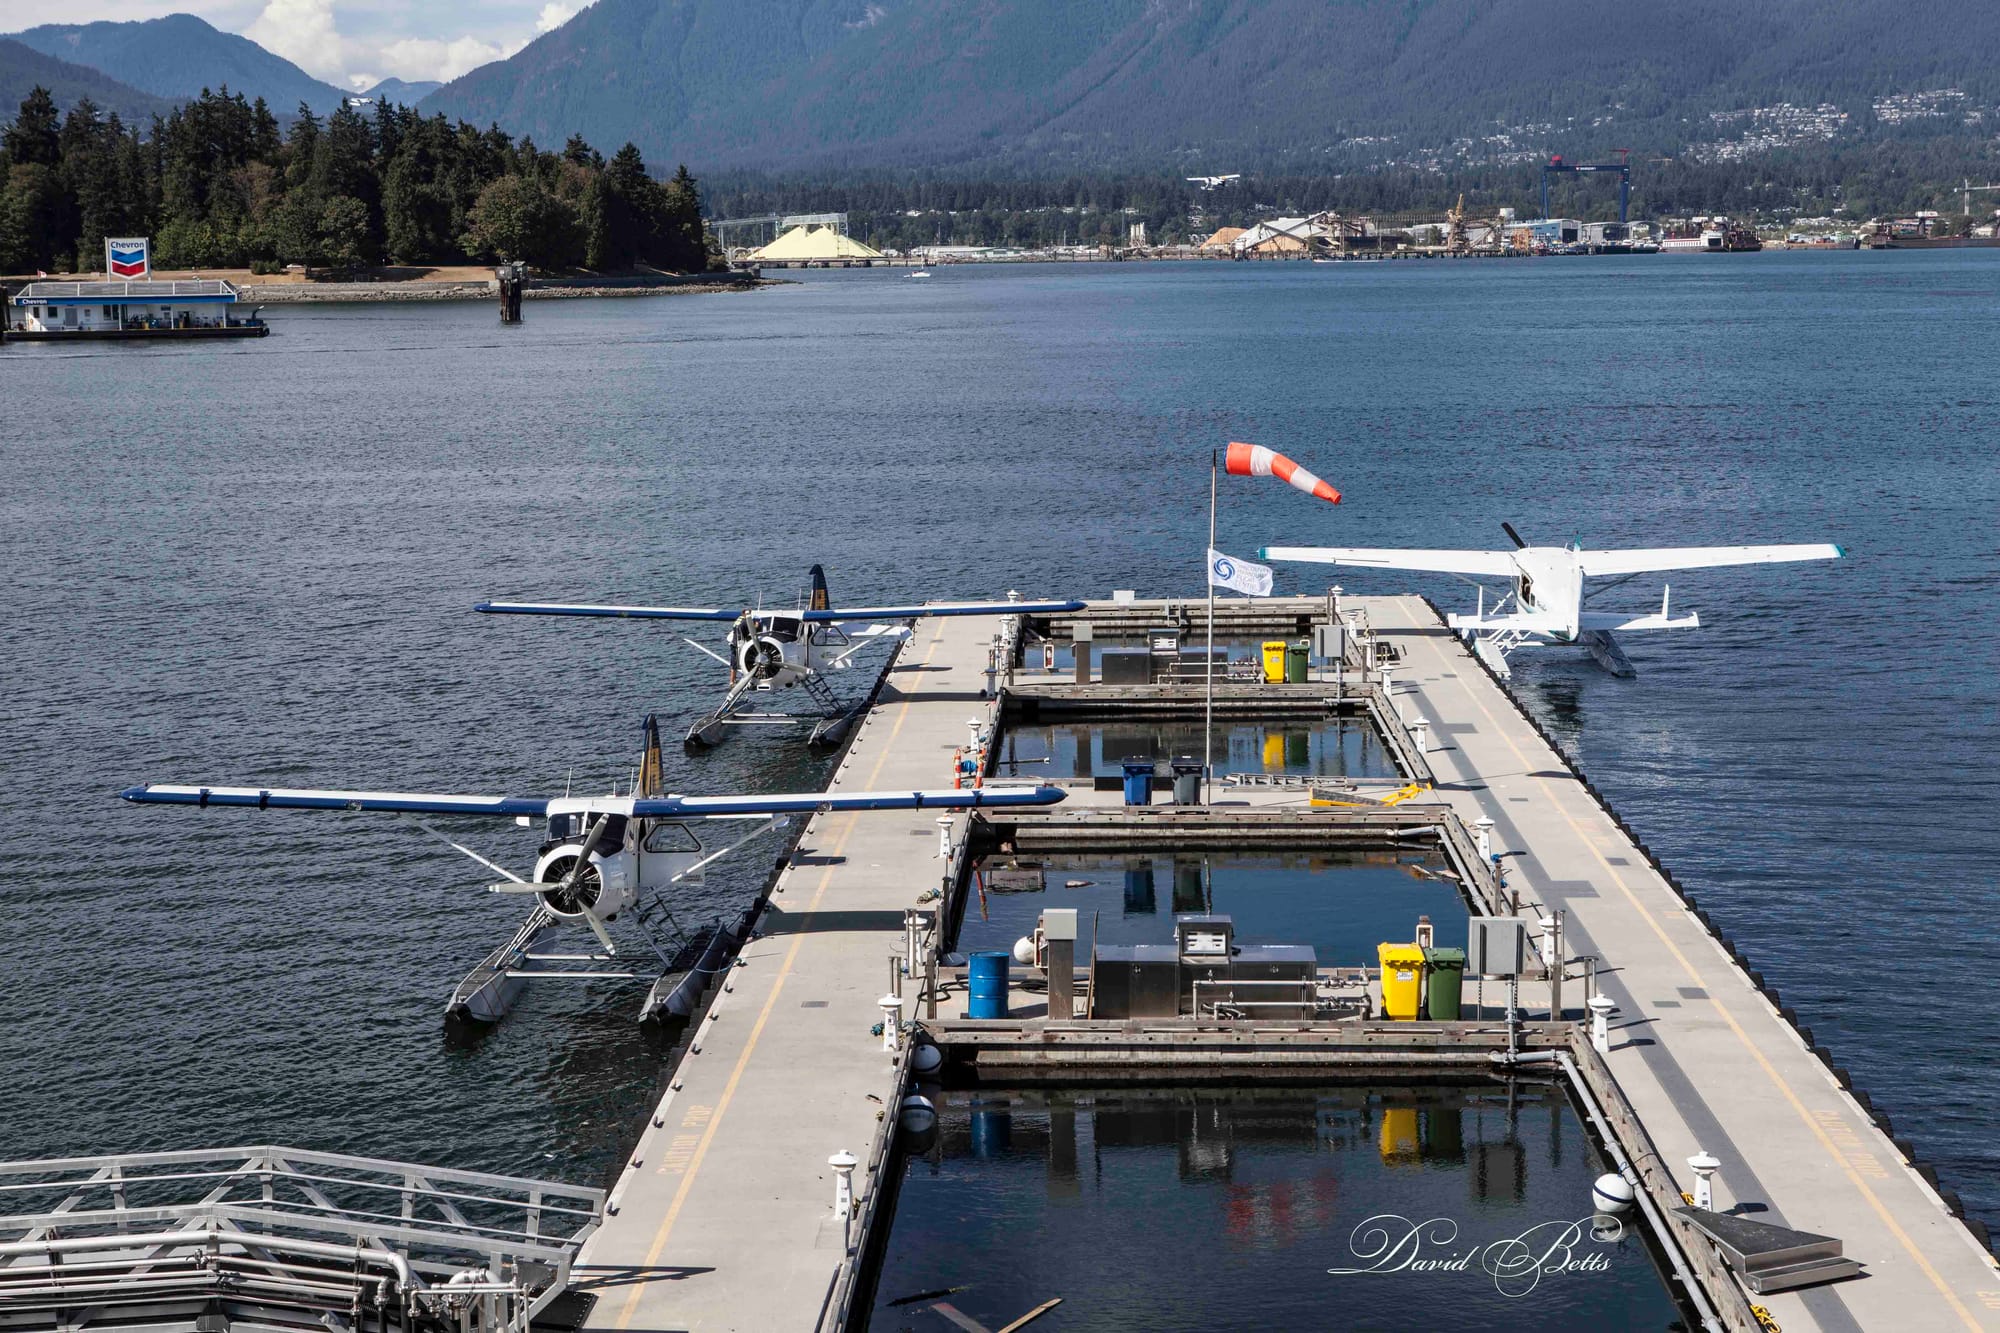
(179, 56)
(24, 69)
(217, 184)
(1305, 86)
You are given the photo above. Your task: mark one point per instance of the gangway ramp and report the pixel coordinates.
(281, 1239)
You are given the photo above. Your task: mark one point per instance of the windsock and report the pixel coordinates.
(1254, 460)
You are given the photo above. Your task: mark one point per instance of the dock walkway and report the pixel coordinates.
(1700, 1053)
(724, 1217)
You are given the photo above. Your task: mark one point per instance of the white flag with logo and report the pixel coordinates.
(1226, 571)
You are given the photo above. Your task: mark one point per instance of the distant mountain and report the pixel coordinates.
(180, 55)
(1219, 84)
(401, 92)
(23, 69)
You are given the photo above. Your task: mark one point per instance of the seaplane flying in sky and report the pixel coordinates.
(1545, 604)
(603, 859)
(769, 652)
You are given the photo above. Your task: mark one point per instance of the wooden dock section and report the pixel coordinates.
(725, 1217)
(1699, 1052)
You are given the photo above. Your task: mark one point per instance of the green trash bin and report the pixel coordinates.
(1444, 979)
(1297, 656)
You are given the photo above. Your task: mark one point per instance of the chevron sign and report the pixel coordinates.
(128, 258)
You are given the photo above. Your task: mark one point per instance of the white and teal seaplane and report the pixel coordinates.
(604, 859)
(1544, 605)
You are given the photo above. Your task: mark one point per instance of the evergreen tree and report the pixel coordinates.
(32, 139)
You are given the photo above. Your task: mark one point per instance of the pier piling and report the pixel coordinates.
(512, 279)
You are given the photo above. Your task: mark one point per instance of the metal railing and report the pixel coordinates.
(161, 1237)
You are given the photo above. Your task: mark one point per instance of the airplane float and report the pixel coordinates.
(773, 651)
(604, 859)
(1545, 605)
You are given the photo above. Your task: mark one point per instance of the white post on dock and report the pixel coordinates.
(944, 837)
(1422, 727)
(892, 1021)
(1601, 1009)
(1704, 1167)
(1483, 828)
(843, 1164)
(1208, 656)
(1387, 675)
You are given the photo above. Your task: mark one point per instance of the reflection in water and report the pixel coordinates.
(1328, 747)
(1225, 1208)
(1341, 903)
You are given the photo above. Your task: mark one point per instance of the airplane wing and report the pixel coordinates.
(304, 798)
(645, 807)
(588, 609)
(785, 803)
(943, 609)
(1499, 564)
(1661, 559)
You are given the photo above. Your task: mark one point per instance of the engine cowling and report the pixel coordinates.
(761, 658)
(606, 888)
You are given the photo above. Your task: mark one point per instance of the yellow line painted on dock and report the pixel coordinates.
(1811, 1122)
(757, 1031)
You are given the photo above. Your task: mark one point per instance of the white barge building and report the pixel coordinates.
(147, 308)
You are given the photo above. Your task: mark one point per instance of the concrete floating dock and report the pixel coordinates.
(726, 1217)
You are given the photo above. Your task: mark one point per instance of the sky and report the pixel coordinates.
(350, 43)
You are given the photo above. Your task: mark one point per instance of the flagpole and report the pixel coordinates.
(1208, 709)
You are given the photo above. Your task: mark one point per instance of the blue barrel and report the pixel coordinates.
(1138, 781)
(986, 979)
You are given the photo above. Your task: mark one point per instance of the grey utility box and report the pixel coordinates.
(1135, 981)
(1496, 946)
(1330, 642)
(1126, 667)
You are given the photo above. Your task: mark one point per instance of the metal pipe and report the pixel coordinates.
(1710, 1319)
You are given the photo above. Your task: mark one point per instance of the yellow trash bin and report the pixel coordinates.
(1274, 661)
(1402, 979)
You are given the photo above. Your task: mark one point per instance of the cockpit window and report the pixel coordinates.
(785, 629)
(671, 838)
(572, 827)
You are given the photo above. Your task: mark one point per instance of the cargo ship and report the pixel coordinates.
(1716, 235)
(146, 308)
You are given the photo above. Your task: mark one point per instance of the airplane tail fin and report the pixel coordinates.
(652, 771)
(821, 599)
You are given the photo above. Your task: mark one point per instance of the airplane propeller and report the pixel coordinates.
(1513, 536)
(564, 895)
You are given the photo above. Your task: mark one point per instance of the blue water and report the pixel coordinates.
(1151, 1208)
(1332, 747)
(255, 562)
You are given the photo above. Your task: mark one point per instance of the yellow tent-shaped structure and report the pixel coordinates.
(815, 243)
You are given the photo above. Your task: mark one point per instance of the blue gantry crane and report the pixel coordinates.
(1622, 166)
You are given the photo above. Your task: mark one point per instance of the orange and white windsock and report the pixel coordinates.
(1254, 460)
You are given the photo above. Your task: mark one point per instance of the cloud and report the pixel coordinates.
(307, 33)
(303, 32)
(417, 58)
(553, 16)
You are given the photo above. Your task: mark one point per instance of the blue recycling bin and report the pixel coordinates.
(1138, 781)
(986, 984)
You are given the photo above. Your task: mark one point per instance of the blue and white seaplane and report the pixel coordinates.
(604, 859)
(773, 651)
(1544, 605)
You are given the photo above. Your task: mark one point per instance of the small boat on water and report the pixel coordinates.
(917, 273)
(143, 308)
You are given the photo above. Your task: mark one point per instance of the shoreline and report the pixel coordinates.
(255, 292)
